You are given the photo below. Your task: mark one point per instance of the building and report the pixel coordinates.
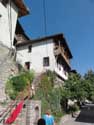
(47, 53)
(10, 10)
(20, 35)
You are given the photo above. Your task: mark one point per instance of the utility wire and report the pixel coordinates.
(45, 22)
(45, 18)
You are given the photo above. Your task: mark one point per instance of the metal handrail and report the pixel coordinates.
(5, 113)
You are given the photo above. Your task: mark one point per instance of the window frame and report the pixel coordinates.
(46, 61)
(29, 48)
(27, 65)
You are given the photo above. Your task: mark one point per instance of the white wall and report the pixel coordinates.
(23, 55)
(39, 50)
(4, 23)
(60, 71)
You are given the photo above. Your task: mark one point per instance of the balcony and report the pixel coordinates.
(60, 71)
(59, 50)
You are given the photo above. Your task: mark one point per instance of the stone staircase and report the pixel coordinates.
(32, 112)
(37, 80)
(28, 113)
(7, 68)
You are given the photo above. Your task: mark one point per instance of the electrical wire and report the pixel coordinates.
(45, 17)
(45, 23)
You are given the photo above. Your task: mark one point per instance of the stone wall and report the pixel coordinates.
(7, 68)
(33, 112)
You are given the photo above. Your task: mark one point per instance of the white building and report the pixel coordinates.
(48, 53)
(10, 10)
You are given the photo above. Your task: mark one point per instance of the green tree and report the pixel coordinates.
(89, 85)
(72, 89)
(73, 86)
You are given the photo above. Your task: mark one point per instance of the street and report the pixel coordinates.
(86, 116)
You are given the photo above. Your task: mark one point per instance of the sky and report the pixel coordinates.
(73, 18)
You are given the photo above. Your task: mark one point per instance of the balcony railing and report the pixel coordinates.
(61, 73)
(59, 50)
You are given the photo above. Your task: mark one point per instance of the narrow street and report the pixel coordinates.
(86, 116)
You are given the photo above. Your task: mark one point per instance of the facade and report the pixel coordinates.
(48, 53)
(10, 10)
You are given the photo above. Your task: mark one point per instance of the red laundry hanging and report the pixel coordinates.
(14, 113)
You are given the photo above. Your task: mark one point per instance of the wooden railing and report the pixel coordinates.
(59, 50)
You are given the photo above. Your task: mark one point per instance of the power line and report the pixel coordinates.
(45, 23)
(45, 18)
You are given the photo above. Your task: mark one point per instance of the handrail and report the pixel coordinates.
(9, 106)
(13, 104)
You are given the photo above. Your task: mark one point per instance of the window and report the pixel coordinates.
(46, 61)
(29, 48)
(27, 65)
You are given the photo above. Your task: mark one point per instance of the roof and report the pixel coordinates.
(54, 37)
(20, 35)
(20, 30)
(23, 10)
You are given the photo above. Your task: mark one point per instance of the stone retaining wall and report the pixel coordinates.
(7, 68)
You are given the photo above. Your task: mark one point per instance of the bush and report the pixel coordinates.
(49, 96)
(18, 83)
(73, 108)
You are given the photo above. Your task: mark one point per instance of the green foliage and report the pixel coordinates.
(18, 83)
(73, 87)
(89, 85)
(73, 108)
(73, 90)
(49, 96)
(78, 88)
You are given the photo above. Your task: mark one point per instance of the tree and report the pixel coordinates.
(73, 86)
(73, 89)
(89, 85)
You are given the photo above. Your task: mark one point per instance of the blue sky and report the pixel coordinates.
(73, 18)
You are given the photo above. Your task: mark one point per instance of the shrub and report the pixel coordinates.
(73, 108)
(49, 96)
(18, 83)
